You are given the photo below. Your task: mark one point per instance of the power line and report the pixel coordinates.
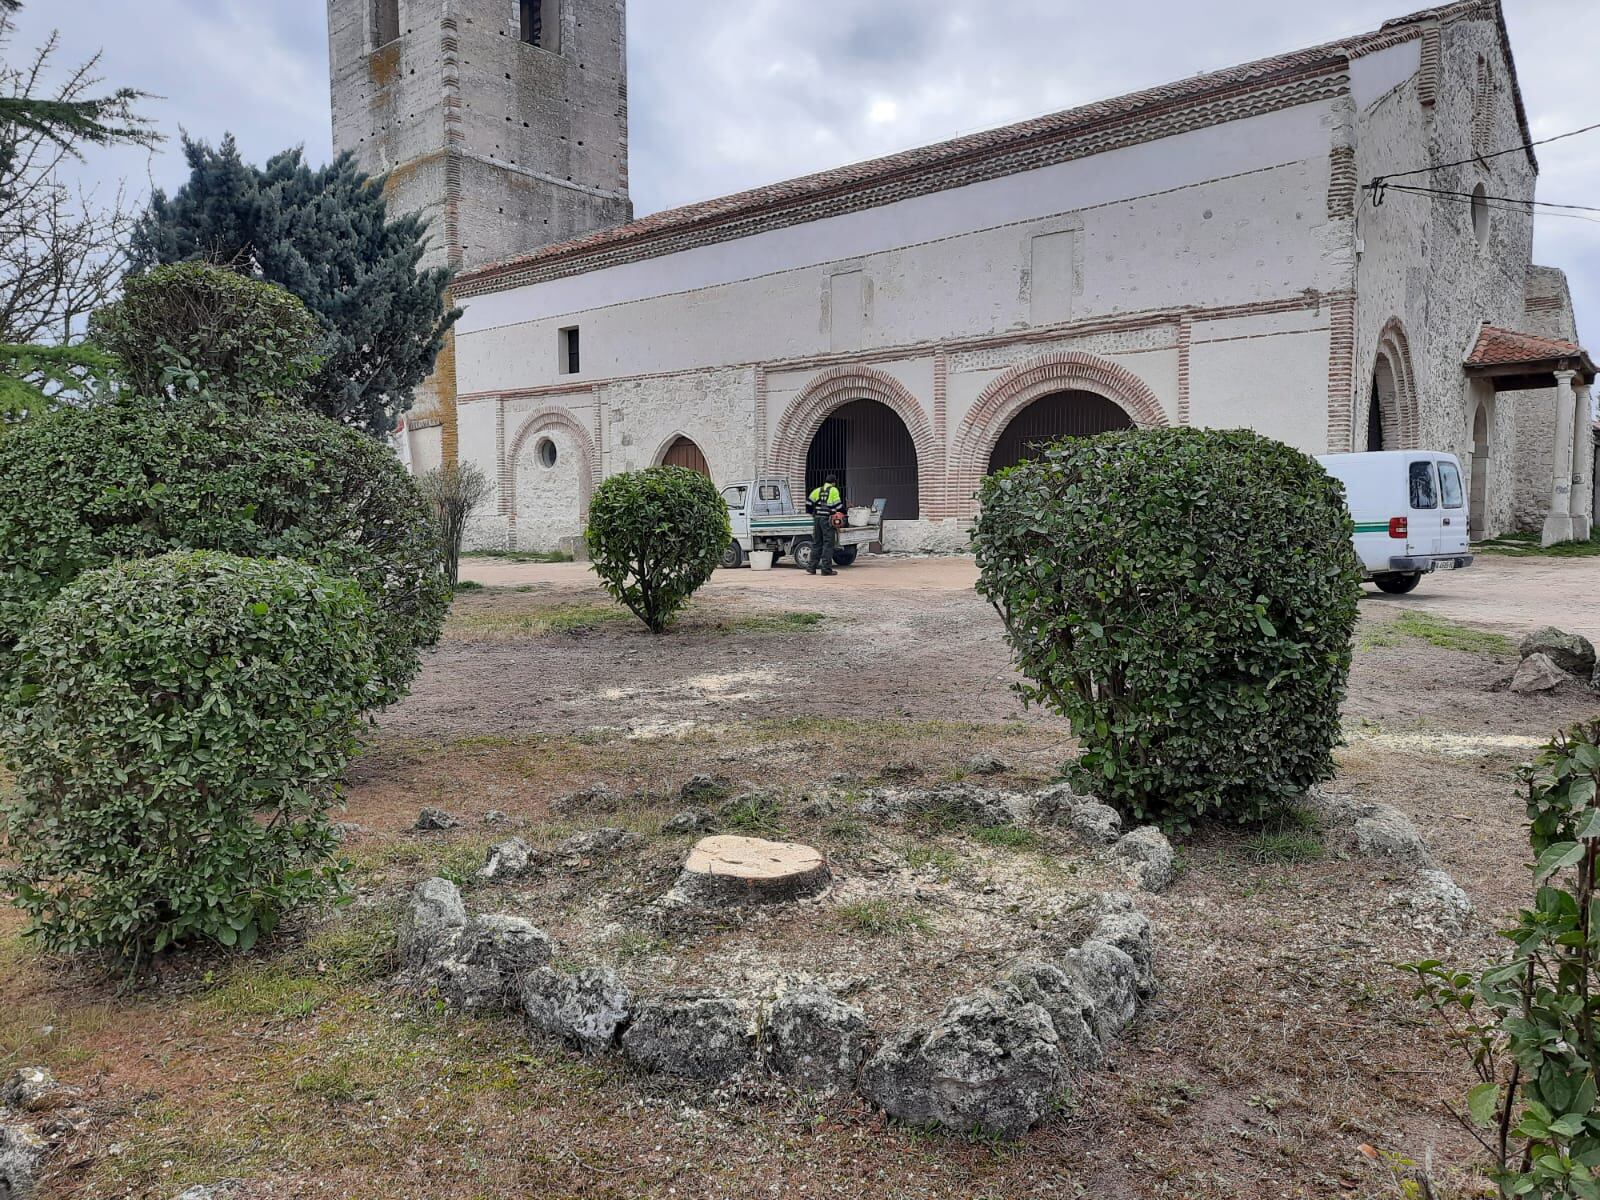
(1504, 203)
(1407, 187)
(1484, 157)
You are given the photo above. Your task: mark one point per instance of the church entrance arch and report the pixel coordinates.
(864, 426)
(866, 446)
(1071, 413)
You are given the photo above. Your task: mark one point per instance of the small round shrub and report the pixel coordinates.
(1186, 598)
(655, 536)
(192, 328)
(81, 487)
(189, 718)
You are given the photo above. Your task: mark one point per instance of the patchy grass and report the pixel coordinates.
(1290, 837)
(755, 815)
(521, 556)
(487, 625)
(1526, 545)
(1436, 631)
(938, 859)
(1012, 837)
(879, 916)
(781, 622)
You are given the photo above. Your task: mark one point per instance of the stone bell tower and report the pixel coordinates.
(503, 122)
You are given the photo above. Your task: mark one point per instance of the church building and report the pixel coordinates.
(1205, 252)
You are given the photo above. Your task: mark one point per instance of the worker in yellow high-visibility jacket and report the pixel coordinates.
(822, 504)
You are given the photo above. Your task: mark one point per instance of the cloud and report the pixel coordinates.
(729, 94)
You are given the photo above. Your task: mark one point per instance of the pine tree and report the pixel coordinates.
(326, 235)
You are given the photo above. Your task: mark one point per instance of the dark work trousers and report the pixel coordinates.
(823, 537)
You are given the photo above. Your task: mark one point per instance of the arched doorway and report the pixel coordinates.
(682, 452)
(866, 445)
(1476, 503)
(1383, 417)
(1072, 413)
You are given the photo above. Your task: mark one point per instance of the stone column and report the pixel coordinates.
(1582, 463)
(1558, 521)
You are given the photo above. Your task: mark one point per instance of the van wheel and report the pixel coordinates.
(800, 550)
(733, 556)
(1398, 585)
(843, 556)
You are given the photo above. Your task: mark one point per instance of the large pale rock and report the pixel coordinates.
(1070, 1008)
(990, 1064)
(507, 860)
(587, 1009)
(1386, 832)
(1148, 857)
(35, 1090)
(1537, 673)
(432, 919)
(1569, 651)
(745, 870)
(692, 1035)
(1435, 901)
(1109, 978)
(1132, 933)
(1096, 823)
(20, 1152)
(815, 1040)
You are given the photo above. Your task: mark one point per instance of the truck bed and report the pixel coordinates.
(799, 525)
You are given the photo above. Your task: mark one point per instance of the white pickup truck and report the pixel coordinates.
(763, 516)
(1410, 512)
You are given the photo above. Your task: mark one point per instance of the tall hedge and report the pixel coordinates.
(192, 328)
(655, 536)
(188, 719)
(1186, 598)
(80, 488)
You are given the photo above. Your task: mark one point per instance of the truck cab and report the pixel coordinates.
(1410, 513)
(763, 515)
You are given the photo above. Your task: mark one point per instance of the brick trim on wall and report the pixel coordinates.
(836, 387)
(1013, 391)
(535, 423)
(1341, 372)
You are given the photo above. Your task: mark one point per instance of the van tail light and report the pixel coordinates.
(1397, 527)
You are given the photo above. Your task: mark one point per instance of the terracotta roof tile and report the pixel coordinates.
(1498, 347)
(1240, 79)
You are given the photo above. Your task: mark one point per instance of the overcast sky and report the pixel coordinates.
(727, 94)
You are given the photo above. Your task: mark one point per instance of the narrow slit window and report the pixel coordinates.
(385, 22)
(570, 361)
(538, 24)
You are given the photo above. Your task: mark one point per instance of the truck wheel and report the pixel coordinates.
(1398, 585)
(800, 550)
(843, 556)
(733, 556)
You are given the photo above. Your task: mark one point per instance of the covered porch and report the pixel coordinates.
(1506, 360)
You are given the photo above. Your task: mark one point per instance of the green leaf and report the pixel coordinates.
(1556, 858)
(1483, 1103)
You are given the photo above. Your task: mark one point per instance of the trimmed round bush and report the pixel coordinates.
(188, 719)
(82, 487)
(1186, 598)
(655, 536)
(192, 328)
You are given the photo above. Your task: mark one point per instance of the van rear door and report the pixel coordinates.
(1423, 520)
(1454, 523)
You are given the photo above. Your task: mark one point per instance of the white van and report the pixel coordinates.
(1410, 511)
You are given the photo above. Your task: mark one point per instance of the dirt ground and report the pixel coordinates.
(1280, 1043)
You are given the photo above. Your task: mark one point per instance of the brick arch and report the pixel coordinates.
(534, 424)
(1396, 395)
(837, 387)
(1019, 387)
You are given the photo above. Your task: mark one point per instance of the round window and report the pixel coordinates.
(547, 452)
(1480, 215)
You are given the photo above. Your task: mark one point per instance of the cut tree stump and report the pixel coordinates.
(745, 870)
